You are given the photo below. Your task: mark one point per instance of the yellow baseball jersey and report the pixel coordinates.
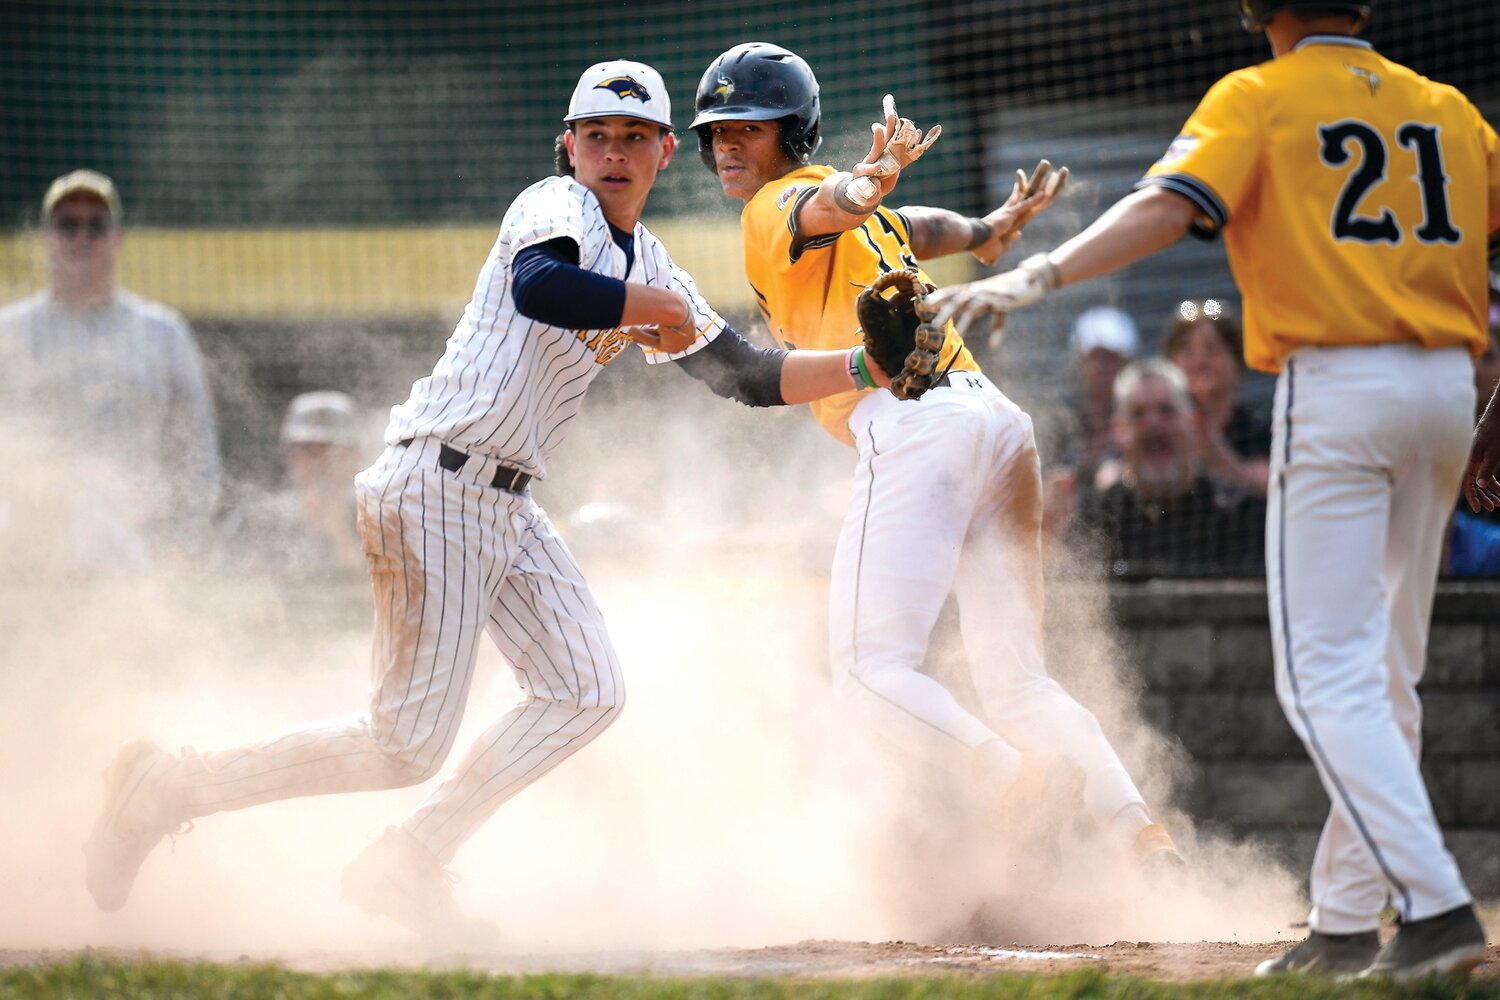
(806, 287)
(1358, 200)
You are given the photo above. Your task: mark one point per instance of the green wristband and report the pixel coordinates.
(864, 371)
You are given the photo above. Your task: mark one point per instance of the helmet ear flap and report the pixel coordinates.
(801, 148)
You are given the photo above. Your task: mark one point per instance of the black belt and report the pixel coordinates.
(505, 478)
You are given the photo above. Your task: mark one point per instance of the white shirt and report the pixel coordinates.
(118, 394)
(508, 386)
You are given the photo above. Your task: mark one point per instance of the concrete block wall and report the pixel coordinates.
(1203, 650)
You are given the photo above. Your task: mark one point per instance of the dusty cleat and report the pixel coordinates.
(133, 822)
(397, 878)
(1325, 954)
(1449, 944)
(1154, 853)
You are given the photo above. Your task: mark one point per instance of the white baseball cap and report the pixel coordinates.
(86, 182)
(1106, 327)
(621, 87)
(324, 417)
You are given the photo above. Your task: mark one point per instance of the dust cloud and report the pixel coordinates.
(735, 803)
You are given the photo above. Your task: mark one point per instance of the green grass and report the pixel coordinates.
(88, 978)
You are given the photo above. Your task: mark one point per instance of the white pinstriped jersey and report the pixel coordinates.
(508, 386)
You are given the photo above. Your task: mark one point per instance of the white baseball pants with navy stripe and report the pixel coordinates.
(450, 558)
(947, 496)
(1369, 444)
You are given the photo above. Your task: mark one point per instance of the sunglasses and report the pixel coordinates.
(70, 227)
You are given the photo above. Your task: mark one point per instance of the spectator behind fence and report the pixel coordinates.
(1473, 547)
(106, 383)
(1234, 444)
(1163, 515)
(1104, 341)
(307, 529)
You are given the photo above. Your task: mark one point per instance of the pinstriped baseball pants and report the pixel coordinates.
(449, 558)
(1368, 446)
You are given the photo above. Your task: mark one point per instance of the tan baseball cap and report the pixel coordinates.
(621, 88)
(82, 181)
(323, 417)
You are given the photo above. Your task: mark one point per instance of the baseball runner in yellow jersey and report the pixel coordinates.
(1358, 201)
(947, 489)
(458, 548)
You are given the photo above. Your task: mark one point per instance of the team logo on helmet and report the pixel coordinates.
(623, 87)
(724, 89)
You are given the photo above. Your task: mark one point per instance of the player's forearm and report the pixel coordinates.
(937, 232)
(1135, 227)
(648, 306)
(830, 209)
(810, 375)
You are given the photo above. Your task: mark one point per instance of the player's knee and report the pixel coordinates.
(602, 704)
(405, 762)
(412, 767)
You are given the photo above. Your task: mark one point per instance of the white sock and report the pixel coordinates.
(1127, 824)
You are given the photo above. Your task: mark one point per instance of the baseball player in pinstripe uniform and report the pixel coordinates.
(456, 545)
(947, 489)
(1357, 200)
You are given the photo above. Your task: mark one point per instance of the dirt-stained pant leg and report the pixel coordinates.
(552, 634)
(894, 565)
(438, 550)
(1002, 600)
(1368, 446)
(947, 491)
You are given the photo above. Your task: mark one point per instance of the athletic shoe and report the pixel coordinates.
(1154, 853)
(1450, 943)
(133, 822)
(396, 877)
(1325, 954)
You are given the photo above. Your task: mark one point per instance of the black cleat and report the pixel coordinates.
(1326, 954)
(1449, 944)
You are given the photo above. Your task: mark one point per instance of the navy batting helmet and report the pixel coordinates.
(1255, 13)
(757, 82)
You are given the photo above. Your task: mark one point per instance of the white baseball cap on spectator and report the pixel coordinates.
(1108, 328)
(324, 417)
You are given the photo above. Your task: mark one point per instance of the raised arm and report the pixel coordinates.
(938, 232)
(844, 200)
(1136, 226)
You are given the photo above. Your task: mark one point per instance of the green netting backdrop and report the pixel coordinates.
(380, 122)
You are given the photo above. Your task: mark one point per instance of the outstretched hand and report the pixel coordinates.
(667, 339)
(993, 297)
(1480, 485)
(1028, 197)
(895, 144)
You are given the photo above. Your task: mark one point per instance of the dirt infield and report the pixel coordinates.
(1166, 962)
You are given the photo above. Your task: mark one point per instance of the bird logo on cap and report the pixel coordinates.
(623, 87)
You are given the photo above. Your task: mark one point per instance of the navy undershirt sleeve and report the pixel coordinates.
(551, 288)
(735, 368)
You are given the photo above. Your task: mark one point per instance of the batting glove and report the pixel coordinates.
(994, 297)
(897, 145)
